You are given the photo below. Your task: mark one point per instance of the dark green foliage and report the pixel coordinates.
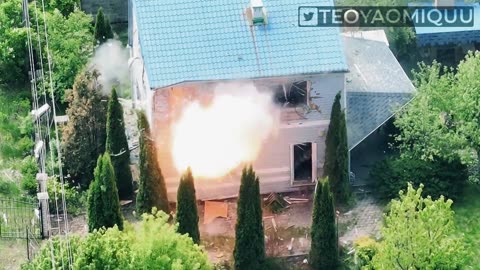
(249, 252)
(187, 213)
(29, 169)
(152, 191)
(75, 199)
(103, 29)
(103, 203)
(117, 146)
(440, 177)
(151, 244)
(15, 124)
(8, 188)
(65, 6)
(13, 39)
(336, 153)
(84, 135)
(324, 249)
(108, 29)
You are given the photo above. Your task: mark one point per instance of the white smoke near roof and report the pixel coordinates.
(215, 139)
(111, 60)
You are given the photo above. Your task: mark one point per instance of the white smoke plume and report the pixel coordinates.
(111, 60)
(216, 139)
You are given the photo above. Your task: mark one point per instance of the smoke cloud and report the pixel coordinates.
(213, 140)
(111, 60)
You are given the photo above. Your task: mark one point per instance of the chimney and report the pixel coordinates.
(445, 4)
(258, 12)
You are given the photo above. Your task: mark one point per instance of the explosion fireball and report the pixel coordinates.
(214, 140)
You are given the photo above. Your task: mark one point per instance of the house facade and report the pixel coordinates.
(181, 50)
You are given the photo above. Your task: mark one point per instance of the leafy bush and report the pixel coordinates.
(57, 245)
(365, 249)
(74, 197)
(13, 37)
(440, 177)
(8, 188)
(29, 169)
(154, 244)
(420, 233)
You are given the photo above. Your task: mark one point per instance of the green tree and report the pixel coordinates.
(442, 120)
(419, 233)
(117, 146)
(336, 153)
(152, 191)
(187, 213)
(103, 203)
(441, 177)
(13, 40)
(71, 47)
(249, 252)
(324, 247)
(153, 244)
(103, 29)
(84, 134)
(65, 6)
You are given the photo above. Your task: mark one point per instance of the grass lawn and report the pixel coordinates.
(467, 216)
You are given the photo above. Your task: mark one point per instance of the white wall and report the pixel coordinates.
(274, 162)
(142, 95)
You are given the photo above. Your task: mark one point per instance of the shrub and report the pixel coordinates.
(365, 249)
(153, 244)
(8, 188)
(29, 170)
(75, 199)
(440, 177)
(420, 233)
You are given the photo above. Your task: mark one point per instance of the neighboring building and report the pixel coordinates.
(448, 45)
(181, 48)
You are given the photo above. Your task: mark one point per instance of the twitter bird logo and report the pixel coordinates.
(307, 16)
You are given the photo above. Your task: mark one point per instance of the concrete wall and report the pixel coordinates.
(116, 10)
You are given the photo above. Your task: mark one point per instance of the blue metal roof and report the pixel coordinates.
(192, 40)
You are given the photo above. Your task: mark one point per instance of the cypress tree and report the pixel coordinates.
(103, 203)
(103, 29)
(187, 213)
(343, 185)
(336, 152)
(108, 29)
(152, 190)
(117, 146)
(323, 251)
(249, 252)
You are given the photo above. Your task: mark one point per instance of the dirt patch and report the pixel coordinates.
(13, 254)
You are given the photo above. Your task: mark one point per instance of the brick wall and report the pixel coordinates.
(117, 10)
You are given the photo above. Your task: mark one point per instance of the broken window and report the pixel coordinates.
(292, 95)
(302, 162)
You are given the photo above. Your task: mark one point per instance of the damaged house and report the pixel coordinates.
(182, 49)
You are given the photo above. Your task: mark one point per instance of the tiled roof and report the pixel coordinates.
(191, 40)
(437, 36)
(376, 87)
(367, 111)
